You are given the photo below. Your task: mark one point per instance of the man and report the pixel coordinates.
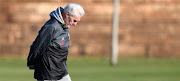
(49, 51)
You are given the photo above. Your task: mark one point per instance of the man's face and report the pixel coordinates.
(71, 20)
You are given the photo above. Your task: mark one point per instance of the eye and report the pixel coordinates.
(75, 21)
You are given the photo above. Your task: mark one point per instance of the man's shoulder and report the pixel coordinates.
(54, 24)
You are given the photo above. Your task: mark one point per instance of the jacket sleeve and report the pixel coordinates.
(39, 45)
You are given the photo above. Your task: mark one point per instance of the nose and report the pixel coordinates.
(74, 24)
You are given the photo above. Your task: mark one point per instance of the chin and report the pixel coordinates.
(68, 26)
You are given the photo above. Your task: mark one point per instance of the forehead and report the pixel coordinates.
(78, 17)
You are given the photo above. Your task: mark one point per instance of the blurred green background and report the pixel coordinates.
(99, 69)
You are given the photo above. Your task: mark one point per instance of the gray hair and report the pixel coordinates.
(74, 9)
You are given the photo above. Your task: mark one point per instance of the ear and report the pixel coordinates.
(67, 14)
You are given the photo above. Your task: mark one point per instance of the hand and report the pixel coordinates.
(31, 67)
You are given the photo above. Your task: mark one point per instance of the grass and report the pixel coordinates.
(99, 69)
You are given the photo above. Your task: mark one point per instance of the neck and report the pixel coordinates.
(63, 15)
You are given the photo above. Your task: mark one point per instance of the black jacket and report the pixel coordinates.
(49, 51)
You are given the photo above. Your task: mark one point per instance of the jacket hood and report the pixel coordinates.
(57, 14)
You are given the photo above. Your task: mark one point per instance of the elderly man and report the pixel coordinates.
(48, 53)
